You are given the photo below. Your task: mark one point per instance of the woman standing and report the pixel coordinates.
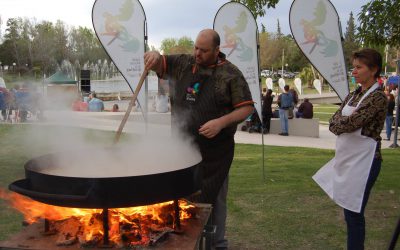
(267, 111)
(348, 178)
(389, 116)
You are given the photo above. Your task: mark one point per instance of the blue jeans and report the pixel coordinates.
(283, 116)
(356, 221)
(388, 122)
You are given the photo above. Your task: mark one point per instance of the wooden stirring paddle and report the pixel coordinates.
(130, 106)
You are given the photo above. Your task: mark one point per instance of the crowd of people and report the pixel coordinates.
(91, 104)
(357, 123)
(287, 108)
(20, 103)
(211, 96)
(391, 93)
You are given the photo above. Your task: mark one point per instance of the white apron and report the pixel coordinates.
(345, 176)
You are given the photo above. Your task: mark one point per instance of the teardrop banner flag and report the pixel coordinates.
(297, 83)
(282, 84)
(316, 29)
(269, 83)
(120, 27)
(318, 86)
(237, 28)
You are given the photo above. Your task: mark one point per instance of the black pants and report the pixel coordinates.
(356, 221)
(267, 122)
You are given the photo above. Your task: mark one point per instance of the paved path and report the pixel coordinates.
(160, 124)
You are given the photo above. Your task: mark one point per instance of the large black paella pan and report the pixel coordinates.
(97, 179)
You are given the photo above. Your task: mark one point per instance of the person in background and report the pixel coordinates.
(389, 116)
(267, 111)
(285, 102)
(306, 110)
(381, 80)
(79, 105)
(115, 108)
(23, 98)
(4, 102)
(264, 92)
(293, 109)
(209, 97)
(349, 177)
(95, 104)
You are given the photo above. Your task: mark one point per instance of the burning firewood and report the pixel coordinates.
(93, 241)
(160, 236)
(67, 231)
(91, 233)
(130, 232)
(127, 227)
(66, 240)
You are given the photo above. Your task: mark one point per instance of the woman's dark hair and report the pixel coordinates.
(286, 88)
(115, 107)
(371, 58)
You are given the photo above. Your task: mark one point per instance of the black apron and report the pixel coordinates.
(189, 112)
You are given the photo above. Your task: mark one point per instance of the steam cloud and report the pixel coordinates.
(152, 150)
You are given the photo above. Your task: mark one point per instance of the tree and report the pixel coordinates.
(43, 47)
(185, 45)
(350, 42)
(380, 23)
(278, 30)
(307, 76)
(60, 42)
(167, 44)
(13, 35)
(85, 46)
(257, 6)
(177, 46)
(265, 56)
(263, 29)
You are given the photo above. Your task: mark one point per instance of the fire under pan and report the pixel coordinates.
(32, 237)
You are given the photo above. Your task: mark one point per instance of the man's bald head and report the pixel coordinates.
(206, 47)
(212, 35)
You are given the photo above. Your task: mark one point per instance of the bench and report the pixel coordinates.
(297, 127)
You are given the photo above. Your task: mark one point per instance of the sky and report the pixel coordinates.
(165, 18)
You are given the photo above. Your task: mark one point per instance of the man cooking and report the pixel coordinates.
(209, 97)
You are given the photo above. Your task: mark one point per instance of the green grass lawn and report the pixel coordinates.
(324, 112)
(287, 210)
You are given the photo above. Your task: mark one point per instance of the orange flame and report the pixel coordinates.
(91, 220)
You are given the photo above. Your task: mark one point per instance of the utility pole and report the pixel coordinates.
(386, 56)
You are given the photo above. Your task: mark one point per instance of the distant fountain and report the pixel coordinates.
(77, 68)
(104, 70)
(113, 70)
(68, 69)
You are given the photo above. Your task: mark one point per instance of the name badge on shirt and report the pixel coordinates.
(191, 98)
(192, 92)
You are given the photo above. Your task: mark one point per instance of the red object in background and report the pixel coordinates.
(380, 81)
(79, 106)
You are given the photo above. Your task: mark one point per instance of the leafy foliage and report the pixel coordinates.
(307, 76)
(257, 6)
(350, 43)
(42, 47)
(183, 45)
(380, 23)
(271, 47)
